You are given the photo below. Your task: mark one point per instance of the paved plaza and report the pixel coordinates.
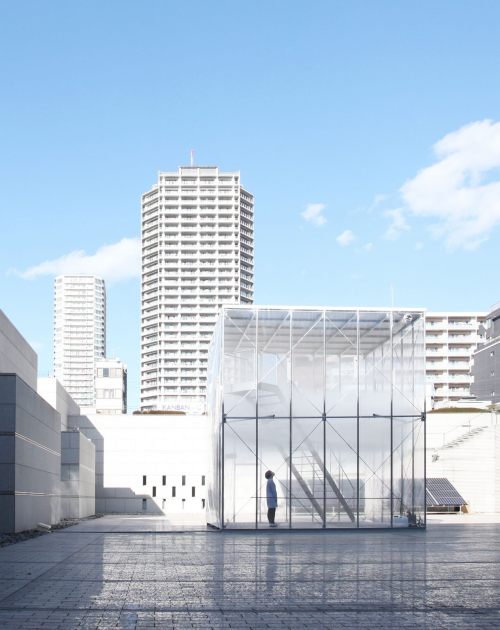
(148, 573)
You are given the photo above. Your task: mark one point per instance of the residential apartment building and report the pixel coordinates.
(110, 387)
(451, 339)
(79, 334)
(197, 254)
(486, 368)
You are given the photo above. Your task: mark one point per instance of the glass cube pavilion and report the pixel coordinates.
(332, 401)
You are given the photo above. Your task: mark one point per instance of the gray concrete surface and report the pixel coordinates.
(107, 574)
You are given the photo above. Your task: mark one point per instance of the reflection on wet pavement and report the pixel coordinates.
(447, 576)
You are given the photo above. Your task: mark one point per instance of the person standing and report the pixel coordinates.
(272, 498)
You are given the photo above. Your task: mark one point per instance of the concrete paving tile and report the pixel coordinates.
(446, 577)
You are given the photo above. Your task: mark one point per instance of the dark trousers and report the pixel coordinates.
(270, 514)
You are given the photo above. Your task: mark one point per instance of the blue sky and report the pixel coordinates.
(368, 132)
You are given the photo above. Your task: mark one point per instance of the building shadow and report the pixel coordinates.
(112, 499)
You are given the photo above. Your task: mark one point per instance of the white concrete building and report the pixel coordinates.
(16, 355)
(197, 254)
(110, 387)
(465, 449)
(51, 390)
(79, 334)
(451, 339)
(149, 464)
(46, 472)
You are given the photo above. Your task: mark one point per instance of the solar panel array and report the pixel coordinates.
(441, 491)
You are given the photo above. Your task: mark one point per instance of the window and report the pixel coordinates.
(144, 481)
(164, 480)
(203, 480)
(144, 504)
(163, 502)
(173, 491)
(193, 491)
(154, 491)
(203, 503)
(109, 393)
(183, 480)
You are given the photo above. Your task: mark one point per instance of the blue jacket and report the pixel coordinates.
(271, 494)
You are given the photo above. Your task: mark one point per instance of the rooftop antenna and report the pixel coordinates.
(191, 157)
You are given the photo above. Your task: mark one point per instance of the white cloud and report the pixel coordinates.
(368, 247)
(376, 201)
(346, 238)
(115, 262)
(398, 224)
(461, 191)
(313, 214)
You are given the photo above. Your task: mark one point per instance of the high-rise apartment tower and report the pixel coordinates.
(197, 254)
(79, 334)
(451, 340)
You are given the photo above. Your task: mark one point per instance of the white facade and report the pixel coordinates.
(451, 339)
(77, 475)
(79, 334)
(465, 449)
(110, 386)
(51, 390)
(16, 355)
(33, 446)
(149, 464)
(197, 254)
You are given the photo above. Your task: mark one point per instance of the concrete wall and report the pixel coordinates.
(30, 455)
(77, 475)
(465, 448)
(16, 355)
(164, 449)
(54, 393)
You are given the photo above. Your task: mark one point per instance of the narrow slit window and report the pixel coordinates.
(173, 491)
(193, 491)
(154, 491)
(144, 480)
(164, 480)
(183, 480)
(203, 480)
(144, 504)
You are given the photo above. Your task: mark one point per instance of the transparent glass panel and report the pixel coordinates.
(341, 472)
(240, 367)
(273, 454)
(307, 363)
(375, 472)
(404, 365)
(419, 362)
(214, 409)
(239, 474)
(307, 471)
(273, 345)
(402, 461)
(341, 356)
(418, 472)
(375, 370)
